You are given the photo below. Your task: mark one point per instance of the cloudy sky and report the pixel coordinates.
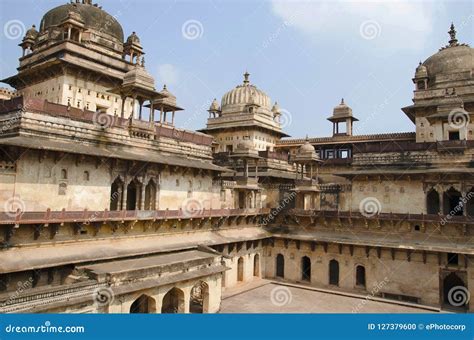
(305, 55)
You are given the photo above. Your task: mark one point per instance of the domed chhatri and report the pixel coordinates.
(94, 18)
(306, 147)
(451, 59)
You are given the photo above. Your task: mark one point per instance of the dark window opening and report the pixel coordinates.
(306, 268)
(453, 259)
(280, 266)
(334, 273)
(360, 276)
(454, 135)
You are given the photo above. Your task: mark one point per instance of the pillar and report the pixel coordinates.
(141, 202)
(172, 118)
(122, 114)
(124, 198)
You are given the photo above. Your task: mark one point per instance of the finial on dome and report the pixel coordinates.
(246, 78)
(143, 61)
(342, 101)
(452, 33)
(164, 87)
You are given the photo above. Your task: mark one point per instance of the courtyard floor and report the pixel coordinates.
(277, 298)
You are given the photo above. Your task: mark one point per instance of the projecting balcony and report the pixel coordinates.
(246, 182)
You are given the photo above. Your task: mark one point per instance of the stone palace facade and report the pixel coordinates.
(106, 206)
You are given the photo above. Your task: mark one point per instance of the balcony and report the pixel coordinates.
(48, 216)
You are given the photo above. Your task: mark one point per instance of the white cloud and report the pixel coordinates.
(168, 74)
(386, 24)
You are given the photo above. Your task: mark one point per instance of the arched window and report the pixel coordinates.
(240, 269)
(306, 268)
(280, 266)
(86, 176)
(116, 194)
(452, 204)
(334, 273)
(133, 195)
(150, 195)
(360, 276)
(432, 202)
(63, 174)
(256, 265)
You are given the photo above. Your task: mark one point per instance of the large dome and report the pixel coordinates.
(94, 18)
(451, 59)
(246, 94)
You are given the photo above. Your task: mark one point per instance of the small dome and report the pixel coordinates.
(342, 110)
(421, 71)
(133, 39)
(276, 108)
(32, 33)
(94, 18)
(306, 147)
(214, 106)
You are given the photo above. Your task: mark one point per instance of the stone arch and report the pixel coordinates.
(150, 195)
(432, 202)
(306, 268)
(360, 276)
(280, 266)
(143, 304)
(133, 195)
(199, 298)
(240, 269)
(173, 301)
(116, 194)
(455, 292)
(452, 203)
(256, 265)
(334, 272)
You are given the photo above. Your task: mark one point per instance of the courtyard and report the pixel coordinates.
(278, 298)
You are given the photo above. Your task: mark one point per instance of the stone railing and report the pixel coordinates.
(27, 300)
(369, 159)
(384, 216)
(86, 216)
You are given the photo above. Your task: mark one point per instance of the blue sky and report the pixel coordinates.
(305, 55)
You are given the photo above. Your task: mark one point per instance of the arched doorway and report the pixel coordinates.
(432, 202)
(240, 269)
(133, 195)
(280, 266)
(334, 273)
(360, 276)
(116, 194)
(306, 268)
(173, 301)
(256, 265)
(199, 299)
(452, 203)
(144, 304)
(455, 293)
(150, 195)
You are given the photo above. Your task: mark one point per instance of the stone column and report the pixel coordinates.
(124, 198)
(172, 118)
(122, 114)
(141, 202)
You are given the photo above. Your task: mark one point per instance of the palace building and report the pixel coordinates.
(107, 207)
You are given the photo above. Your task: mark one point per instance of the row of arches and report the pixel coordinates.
(133, 196)
(450, 202)
(240, 267)
(174, 302)
(333, 273)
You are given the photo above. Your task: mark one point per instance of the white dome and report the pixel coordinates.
(245, 94)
